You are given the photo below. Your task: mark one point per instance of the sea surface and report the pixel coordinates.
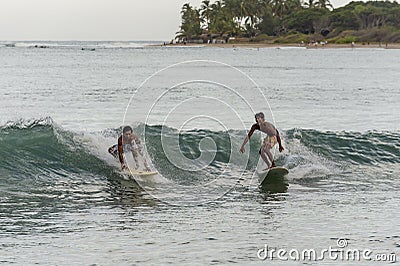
(65, 201)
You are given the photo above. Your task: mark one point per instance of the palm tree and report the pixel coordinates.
(310, 4)
(325, 4)
(243, 12)
(221, 20)
(251, 12)
(233, 8)
(205, 12)
(279, 8)
(191, 22)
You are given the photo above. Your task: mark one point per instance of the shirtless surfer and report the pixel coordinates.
(269, 142)
(128, 142)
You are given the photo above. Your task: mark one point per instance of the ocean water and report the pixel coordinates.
(65, 201)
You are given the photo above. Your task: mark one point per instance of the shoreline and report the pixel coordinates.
(286, 45)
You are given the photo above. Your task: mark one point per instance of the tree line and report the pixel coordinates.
(259, 20)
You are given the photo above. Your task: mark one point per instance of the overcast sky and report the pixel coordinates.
(93, 19)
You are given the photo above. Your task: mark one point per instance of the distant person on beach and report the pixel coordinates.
(128, 142)
(269, 142)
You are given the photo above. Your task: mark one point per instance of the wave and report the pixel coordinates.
(368, 148)
(42, 149)
(198, 155)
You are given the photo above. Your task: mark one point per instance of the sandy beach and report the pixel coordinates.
(288, 45)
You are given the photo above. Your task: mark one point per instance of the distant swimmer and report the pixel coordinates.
(128, 142)
(269, 142)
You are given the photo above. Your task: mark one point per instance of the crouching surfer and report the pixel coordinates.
(129, 141)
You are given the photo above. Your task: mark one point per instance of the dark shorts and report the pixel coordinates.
(113, 150)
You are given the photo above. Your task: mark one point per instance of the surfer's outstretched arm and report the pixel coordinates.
(253, 128)
(278, 138)
(120, 153)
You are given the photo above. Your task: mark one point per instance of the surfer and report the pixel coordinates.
(129, 141)
(269, 142)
